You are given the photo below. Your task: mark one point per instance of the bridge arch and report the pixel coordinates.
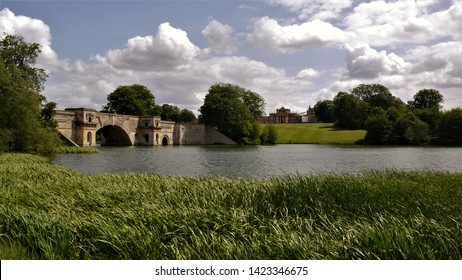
(165, 140)
(113, 135)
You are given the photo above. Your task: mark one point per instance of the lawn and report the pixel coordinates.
(316, 133)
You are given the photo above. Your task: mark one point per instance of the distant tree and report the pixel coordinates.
(23, 124)
(187, 116)
(375, 95)
(378, 127)
(431, 117)
(426, 106)
(233, 111)
(135, 100)
(324, 111)
(349, 111)
(408, 129)
(170, 113)
(269, 134)
(254, 102)
(430, 99)
(450, 128)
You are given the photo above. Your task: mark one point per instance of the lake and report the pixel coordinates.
(261, 161)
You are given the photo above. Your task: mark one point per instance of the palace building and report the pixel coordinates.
(283, 115)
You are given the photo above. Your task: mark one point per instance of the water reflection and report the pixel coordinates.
(261, 161)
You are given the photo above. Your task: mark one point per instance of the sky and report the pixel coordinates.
(292, 52)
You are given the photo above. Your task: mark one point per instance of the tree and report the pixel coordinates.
(349, 111)
(375, 95)
(378, 127)
(135, 100)
(16, 53)
(269, 134)
(254, 102)
(426, 106)
(187, 116)
(429, 99)
(22, 123)
(450, 128)
(324, 111)
(232, 110)
(170, 113)
(408, 129)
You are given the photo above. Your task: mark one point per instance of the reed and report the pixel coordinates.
(53, 212)
(75, 150)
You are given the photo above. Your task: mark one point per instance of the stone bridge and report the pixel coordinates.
(88, 127)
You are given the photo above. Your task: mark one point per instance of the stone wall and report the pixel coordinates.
(199, 134)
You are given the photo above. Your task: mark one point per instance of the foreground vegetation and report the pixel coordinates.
(52, 212)
(316, 133)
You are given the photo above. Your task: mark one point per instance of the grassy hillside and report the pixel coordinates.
(52, 212)
(316, 133)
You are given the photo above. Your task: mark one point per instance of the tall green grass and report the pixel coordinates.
(52, 212)
(75, 150)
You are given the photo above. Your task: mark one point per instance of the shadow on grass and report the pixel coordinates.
(335, 128)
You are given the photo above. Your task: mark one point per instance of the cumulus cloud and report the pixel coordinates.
(381, 23)
(269, 34)
(220, 38)
(33, 31)
(308, 73)
(363, 62)
(168, 49)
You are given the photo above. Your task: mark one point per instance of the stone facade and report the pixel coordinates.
(283, 115)
(80, 126)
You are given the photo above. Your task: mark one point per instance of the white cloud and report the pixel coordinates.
(308, 73)
(363, 62)
(33, 31)
(314, 9)
(168, 49)
(269, 34)
(381, 23)
(220, 38)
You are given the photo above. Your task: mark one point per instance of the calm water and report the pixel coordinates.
(261, 161)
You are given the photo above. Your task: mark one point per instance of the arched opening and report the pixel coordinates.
(146, 138)
(89, 138)
(165, 141)
(112, 135)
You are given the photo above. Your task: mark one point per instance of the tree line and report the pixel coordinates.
(388, 120)
(138, 100)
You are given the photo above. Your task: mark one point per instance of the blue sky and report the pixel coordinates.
(292, 52)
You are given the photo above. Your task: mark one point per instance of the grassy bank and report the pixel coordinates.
(52, 212)
(316, 133)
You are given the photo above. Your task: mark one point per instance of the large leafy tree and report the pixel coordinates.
(134, 99)
(375, 95)
(349, 111)
(429, 99)
(450, 128)
(24, 126)
(170, 113)
(233, 111)
(324, 111)
(426, 106)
